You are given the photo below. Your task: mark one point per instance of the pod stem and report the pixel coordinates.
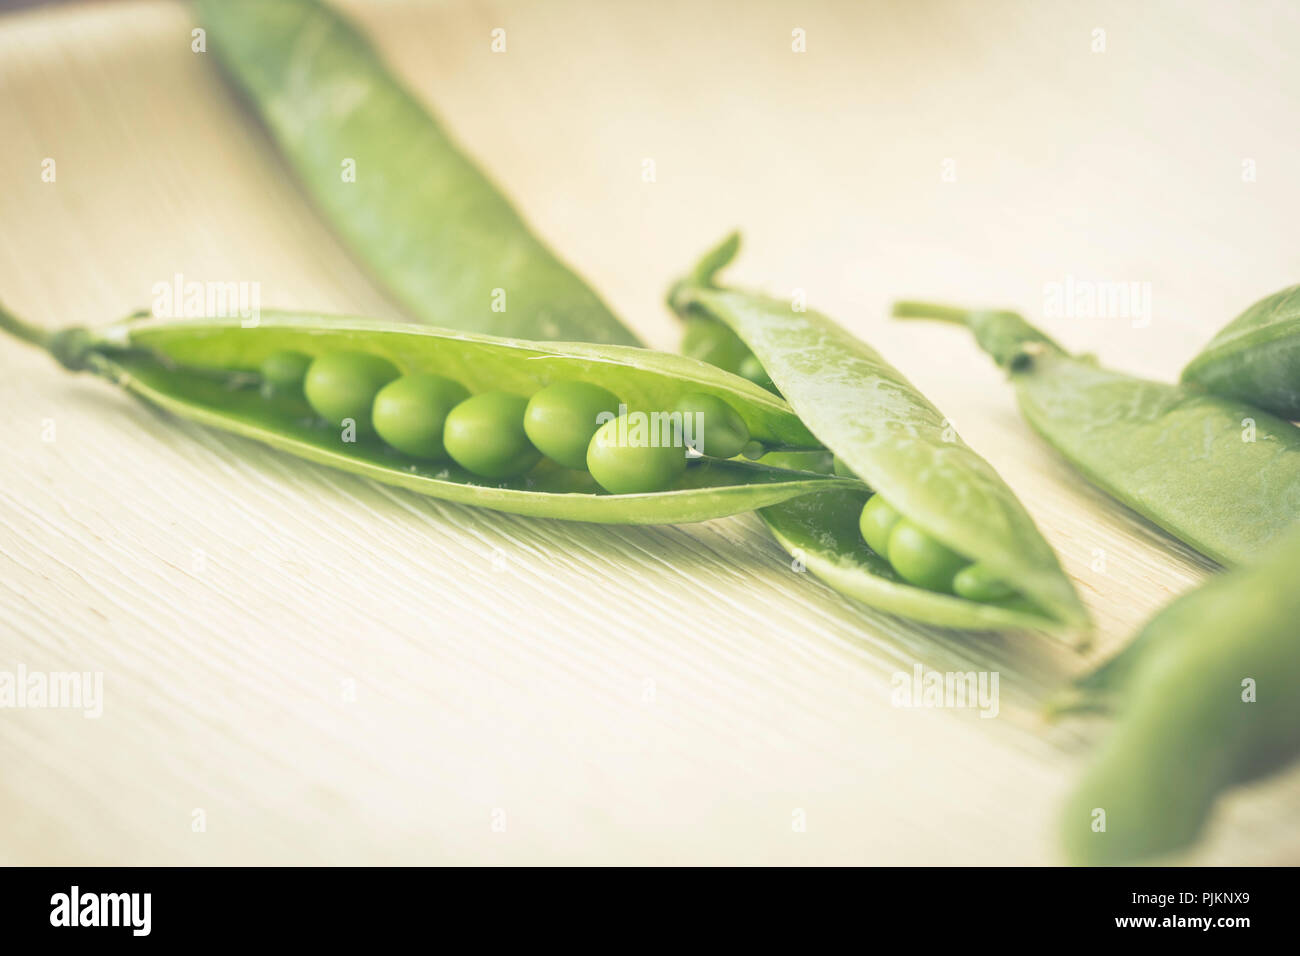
(73, 348)
(31, 334)
(715, 260)
(703, 273)
(908, 309)
(1013, 342)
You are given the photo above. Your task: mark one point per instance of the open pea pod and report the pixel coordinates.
(1256, 357)
(883, 430)
(1207, 697)
(206, 370)
(1217, 473)
(409, 204)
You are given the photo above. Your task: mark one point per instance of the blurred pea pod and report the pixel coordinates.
(417, 211)
(1208, 697)
(1256, 357)
(1217, 473)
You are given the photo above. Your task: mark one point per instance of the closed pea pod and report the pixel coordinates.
(416, 210)
(1208, 698)
(1217, 473)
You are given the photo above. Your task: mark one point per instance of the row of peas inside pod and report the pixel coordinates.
(921, 559)
(498, 435)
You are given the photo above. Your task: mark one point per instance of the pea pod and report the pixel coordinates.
(1208, 697)
(1217, 473)
(206, 370)
(882, 429)
(414, 208)
(1256, 357)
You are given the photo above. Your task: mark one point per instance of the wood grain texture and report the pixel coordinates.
(338, 672)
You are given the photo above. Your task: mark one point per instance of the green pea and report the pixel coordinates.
(714, 427)
(409, 413)
(877, 522)
(627, 467)
(975, 582)
(284, 371)
(342, 385)
(921, 560)
(561, 418)
(485, 435)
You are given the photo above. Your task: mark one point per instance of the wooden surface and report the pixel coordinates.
(333, 671)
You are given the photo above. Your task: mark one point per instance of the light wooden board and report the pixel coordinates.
(333, 671)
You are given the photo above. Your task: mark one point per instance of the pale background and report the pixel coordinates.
(649, 695)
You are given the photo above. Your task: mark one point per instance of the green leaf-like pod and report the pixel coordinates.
(1217, 473)
(194, 368)
(1256, 357)
(1208, 697)
(883, 430)
(414, 208)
